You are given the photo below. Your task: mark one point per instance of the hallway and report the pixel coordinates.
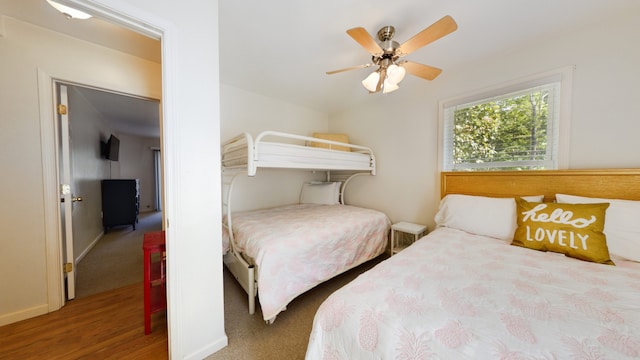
(116, 260)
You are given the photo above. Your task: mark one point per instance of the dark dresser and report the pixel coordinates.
(120, 202)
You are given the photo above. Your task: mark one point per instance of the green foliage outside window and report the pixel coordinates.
(512, 129)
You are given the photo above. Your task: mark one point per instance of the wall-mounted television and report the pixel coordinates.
(111, 149)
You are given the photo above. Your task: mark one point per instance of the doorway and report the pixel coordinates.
(103, 261)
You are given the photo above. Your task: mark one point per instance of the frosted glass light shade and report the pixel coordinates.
(395, 73)
(389, 86)
(371, 82)
(69, 12)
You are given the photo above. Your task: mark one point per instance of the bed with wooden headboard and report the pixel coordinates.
(605, 183)
(465, 291)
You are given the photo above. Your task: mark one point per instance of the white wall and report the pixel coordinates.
(243, 111)
(136, 162)
(402, 127)
(87, 129)
(21, 210)
(26, 50)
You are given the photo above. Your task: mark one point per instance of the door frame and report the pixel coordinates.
(51, 191)
(154, 28)
(68, 228)
(52, 158)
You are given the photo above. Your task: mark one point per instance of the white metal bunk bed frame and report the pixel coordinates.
(247, 164)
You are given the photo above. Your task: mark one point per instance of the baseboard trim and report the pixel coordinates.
(91, 246)
(210, 349)
(24, 314)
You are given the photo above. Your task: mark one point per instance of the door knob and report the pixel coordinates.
(76, 198)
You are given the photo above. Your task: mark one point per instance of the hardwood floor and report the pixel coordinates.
(108, 325)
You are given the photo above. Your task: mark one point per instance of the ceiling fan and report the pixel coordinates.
(386, 53)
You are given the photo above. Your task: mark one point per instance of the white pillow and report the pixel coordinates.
(326, 193)
(481, 215)
(621, 224)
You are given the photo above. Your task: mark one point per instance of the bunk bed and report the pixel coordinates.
(272, 149)
(464, 291)
(276, 254)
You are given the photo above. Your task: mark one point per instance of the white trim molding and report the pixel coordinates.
(562, 75)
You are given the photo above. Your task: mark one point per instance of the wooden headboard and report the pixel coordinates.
(604, 183)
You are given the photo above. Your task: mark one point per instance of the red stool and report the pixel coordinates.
(155, 288)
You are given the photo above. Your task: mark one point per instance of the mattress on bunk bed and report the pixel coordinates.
(272, 154)
(297, 247)
(287, 154)
(454, 295)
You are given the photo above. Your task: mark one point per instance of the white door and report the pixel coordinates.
(66, 196)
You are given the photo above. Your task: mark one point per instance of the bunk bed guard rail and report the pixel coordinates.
(284, 151)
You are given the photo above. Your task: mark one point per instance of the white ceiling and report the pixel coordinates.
(126, 114)
(282, 49)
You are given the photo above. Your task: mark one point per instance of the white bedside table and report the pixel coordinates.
(406, 227)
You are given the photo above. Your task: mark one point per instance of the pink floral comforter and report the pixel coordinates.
(453, 295)
(297, 247)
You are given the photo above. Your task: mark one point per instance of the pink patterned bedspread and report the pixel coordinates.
(297, 247)
(453, 295)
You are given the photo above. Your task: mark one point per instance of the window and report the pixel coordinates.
(514, 127)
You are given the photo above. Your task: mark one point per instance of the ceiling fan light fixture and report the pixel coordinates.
(371, 82)
(386, 52)
(68, 12)
(395, 73)
(389, 86)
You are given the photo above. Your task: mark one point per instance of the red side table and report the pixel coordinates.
(155, 288)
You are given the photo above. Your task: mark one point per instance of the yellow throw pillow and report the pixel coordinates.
(575, 230)
(343, 138)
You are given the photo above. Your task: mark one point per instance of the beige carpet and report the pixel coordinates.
(287, 338)
(116, 260)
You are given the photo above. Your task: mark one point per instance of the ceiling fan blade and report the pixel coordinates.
(440, 28)
(420, 70)
(349, 68)
(362, 37)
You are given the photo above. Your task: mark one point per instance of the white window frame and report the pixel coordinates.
(561, 126)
